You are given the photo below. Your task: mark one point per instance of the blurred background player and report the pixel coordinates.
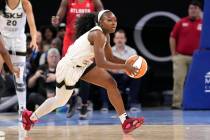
(73, 9)
(184, 40)
(13, 20)
(87, 59)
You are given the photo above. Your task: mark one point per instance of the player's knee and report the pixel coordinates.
(111, 84)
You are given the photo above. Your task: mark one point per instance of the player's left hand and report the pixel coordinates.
(33, 45)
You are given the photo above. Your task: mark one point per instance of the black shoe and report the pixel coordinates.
(72, 107)
(83, 113)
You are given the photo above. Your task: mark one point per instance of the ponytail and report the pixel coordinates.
(2, 7)
(84, 24)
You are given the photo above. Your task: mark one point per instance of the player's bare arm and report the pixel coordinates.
(56, 20)
(109, 55)
(98, 5)
(31, 22)
(98, 39)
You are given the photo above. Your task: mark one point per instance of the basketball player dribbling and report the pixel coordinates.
(87, 59)
(12, 26)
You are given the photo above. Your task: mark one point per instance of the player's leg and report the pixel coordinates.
(61, 98)
(17, 50)
(101, 77)
(18, 57)
(84, 91)
(64, 74)
(20, 62)
(63, 92)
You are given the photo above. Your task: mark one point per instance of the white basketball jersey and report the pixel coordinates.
(81, 51)
(13, 22)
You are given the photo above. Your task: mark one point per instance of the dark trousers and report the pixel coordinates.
(84, 91)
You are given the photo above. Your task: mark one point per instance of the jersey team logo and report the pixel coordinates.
(13, 15)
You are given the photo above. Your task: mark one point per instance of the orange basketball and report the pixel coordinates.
(138, 62)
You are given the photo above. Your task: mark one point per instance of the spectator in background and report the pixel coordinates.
(56, 43)
(42, 83)
(126, 84)
(73, 9)
(48, 34)
(184, 40)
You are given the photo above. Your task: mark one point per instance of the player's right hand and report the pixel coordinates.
(16, 71)
(55, 20)
(130, 69)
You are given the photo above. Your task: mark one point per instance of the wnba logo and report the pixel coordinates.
(207, 82)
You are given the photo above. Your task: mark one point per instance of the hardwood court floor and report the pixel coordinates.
(110, 132)
(159, 125)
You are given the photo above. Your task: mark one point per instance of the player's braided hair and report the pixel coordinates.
(84, 24)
